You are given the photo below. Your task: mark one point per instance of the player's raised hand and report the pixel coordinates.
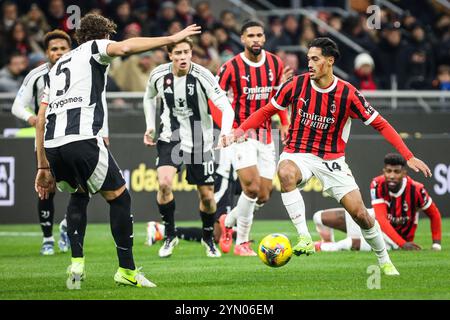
(186, 32)
(149, 138)
(43, 183)
(287, 74)
(417, 164)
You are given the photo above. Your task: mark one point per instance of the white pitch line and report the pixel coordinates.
(19, 234)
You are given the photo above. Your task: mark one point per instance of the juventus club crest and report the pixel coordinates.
(190, 87)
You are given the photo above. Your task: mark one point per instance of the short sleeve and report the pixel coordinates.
(423, 198)
(375, 192)
(283, 97)
(45, 94)
(224, 76)
(99, 51)
(360, 108)
(212, 87)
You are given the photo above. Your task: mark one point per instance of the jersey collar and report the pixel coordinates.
(326, 90)
(399, 192)
(254, 64)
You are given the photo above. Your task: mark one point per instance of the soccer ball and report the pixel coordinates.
(275, 250)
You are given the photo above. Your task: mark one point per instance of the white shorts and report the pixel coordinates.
(335, 175)
(354, 231)
(225, 163)
(255, 153)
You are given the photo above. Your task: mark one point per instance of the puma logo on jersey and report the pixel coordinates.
(247, 78)
(304, 101)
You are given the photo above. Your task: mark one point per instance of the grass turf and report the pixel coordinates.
(189, 274)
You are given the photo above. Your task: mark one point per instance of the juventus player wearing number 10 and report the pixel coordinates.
(322, 106)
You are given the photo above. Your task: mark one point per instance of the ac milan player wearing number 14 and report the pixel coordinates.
(322, 106)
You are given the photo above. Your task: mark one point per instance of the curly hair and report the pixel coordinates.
(56, 34)
(93, 27)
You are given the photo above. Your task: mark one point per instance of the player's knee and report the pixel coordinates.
(287, 177)
(317, 218)
(165, 186)
(207, 200)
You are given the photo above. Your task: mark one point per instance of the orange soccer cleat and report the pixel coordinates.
(244, 249)
(226, 235)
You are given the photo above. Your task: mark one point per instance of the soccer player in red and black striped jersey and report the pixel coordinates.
(322, 106)
(396, 200)
(253, 76)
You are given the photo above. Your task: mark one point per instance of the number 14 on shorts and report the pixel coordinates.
(334, 166)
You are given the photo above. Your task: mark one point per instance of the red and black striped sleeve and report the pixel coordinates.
(284, 96)
(360, 108)
(225, 76)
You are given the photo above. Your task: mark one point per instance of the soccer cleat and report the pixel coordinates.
(133, 278)
(317, 245)
(226, 235)
(47, 248)
(389, 269)
(76, 274)
(63, 243)
(211, 249)
(166, 250)
(155, 232)
(305, 245)
(244, 249)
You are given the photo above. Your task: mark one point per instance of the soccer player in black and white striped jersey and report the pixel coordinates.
(25, 107)
(185, 136)
(73, 110)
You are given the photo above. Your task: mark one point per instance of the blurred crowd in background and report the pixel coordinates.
(410, 51)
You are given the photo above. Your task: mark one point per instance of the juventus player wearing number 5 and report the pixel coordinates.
(322, 106)
(73, 111)
(184, 88)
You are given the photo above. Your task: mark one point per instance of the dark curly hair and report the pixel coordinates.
(328, 46)
(93, 27)
(56, 34)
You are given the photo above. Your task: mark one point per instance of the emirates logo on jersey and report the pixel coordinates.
(257, 93)
(316, 121)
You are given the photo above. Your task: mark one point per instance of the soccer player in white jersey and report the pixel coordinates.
(70, 150)
(185, 136)
(25, 107)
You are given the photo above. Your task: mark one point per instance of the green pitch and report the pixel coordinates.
(189, 274)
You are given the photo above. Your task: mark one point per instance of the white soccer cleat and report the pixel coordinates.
(169, 244)
(155, 232)
(48, 248)
(64, 242)
(76, 274)
(211, 249)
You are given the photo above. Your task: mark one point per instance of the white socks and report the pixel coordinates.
(345, 244)
(244, 211)
(295, 206)
(48, 239)
(231, 218)
(375, 239)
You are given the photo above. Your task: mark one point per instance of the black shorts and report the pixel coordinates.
(85, 163)
(200, 170)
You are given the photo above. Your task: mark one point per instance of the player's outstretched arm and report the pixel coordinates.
(140, 44)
